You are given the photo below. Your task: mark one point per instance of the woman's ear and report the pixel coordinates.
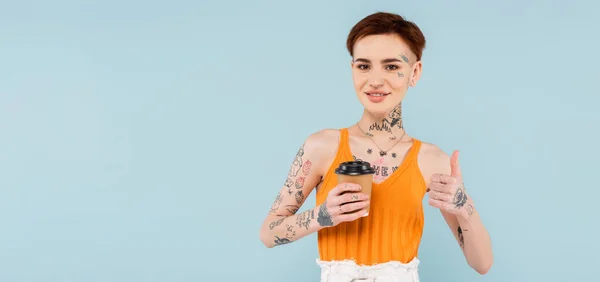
(417, 69)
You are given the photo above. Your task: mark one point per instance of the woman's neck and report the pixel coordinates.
(388, 127)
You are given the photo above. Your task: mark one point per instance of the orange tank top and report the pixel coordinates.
(393, 229)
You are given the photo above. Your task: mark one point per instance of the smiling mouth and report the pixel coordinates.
(377, 94)
(377, 97)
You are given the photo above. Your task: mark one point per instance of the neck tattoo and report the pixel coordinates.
(393, 119)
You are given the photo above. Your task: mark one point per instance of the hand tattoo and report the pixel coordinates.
(460, 197)
(324, 218)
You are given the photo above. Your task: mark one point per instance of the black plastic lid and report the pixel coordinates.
(354, 168)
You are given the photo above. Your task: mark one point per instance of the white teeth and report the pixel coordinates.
(376, 95)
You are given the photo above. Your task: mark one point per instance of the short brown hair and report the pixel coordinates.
(388, 23)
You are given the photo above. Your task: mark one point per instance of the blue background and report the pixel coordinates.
(146, 140)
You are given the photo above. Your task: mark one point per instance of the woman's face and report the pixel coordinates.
(383, 68)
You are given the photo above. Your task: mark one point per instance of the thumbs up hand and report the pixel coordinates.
(447, 192)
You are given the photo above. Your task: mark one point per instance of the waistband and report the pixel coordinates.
(348, 270)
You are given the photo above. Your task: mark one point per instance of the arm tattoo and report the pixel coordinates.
(288, 183)
(300, 182)
(276, 204)
(291, 232)
(304, 219)
(297, 164)
(281, 241)
(470, 209)
(276, 223)
(299, 197)
(306, 167)
(289, 236)
(324, 218)
(461, 239)
(292, 208)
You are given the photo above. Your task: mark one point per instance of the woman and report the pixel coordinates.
(381, 242)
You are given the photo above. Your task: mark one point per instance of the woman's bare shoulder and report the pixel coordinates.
(432, 160)
(322, 146)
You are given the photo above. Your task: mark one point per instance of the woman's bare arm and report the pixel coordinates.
(283, 223)
(457, 207)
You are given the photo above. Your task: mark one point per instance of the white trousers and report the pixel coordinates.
(349, 271)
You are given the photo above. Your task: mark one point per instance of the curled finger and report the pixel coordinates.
(353, 215)
(442, 178)
(441, 187)
(352, 207)
(342, 188)
(353, 197)
(336, 207)
(440, 196)
(435, 203)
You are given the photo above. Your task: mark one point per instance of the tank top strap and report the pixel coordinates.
(343, 150)
(412, 156)
(414, 150)
(342, 154)
(344, 144)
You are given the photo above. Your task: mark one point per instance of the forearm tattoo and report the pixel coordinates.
(276, 223)
(281, 241)
(470, 209)
(292, 209)
(461, 238)
(304, 219)
(289, 236)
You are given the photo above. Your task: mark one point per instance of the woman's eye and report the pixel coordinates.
(363, 67)
(392, 67)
